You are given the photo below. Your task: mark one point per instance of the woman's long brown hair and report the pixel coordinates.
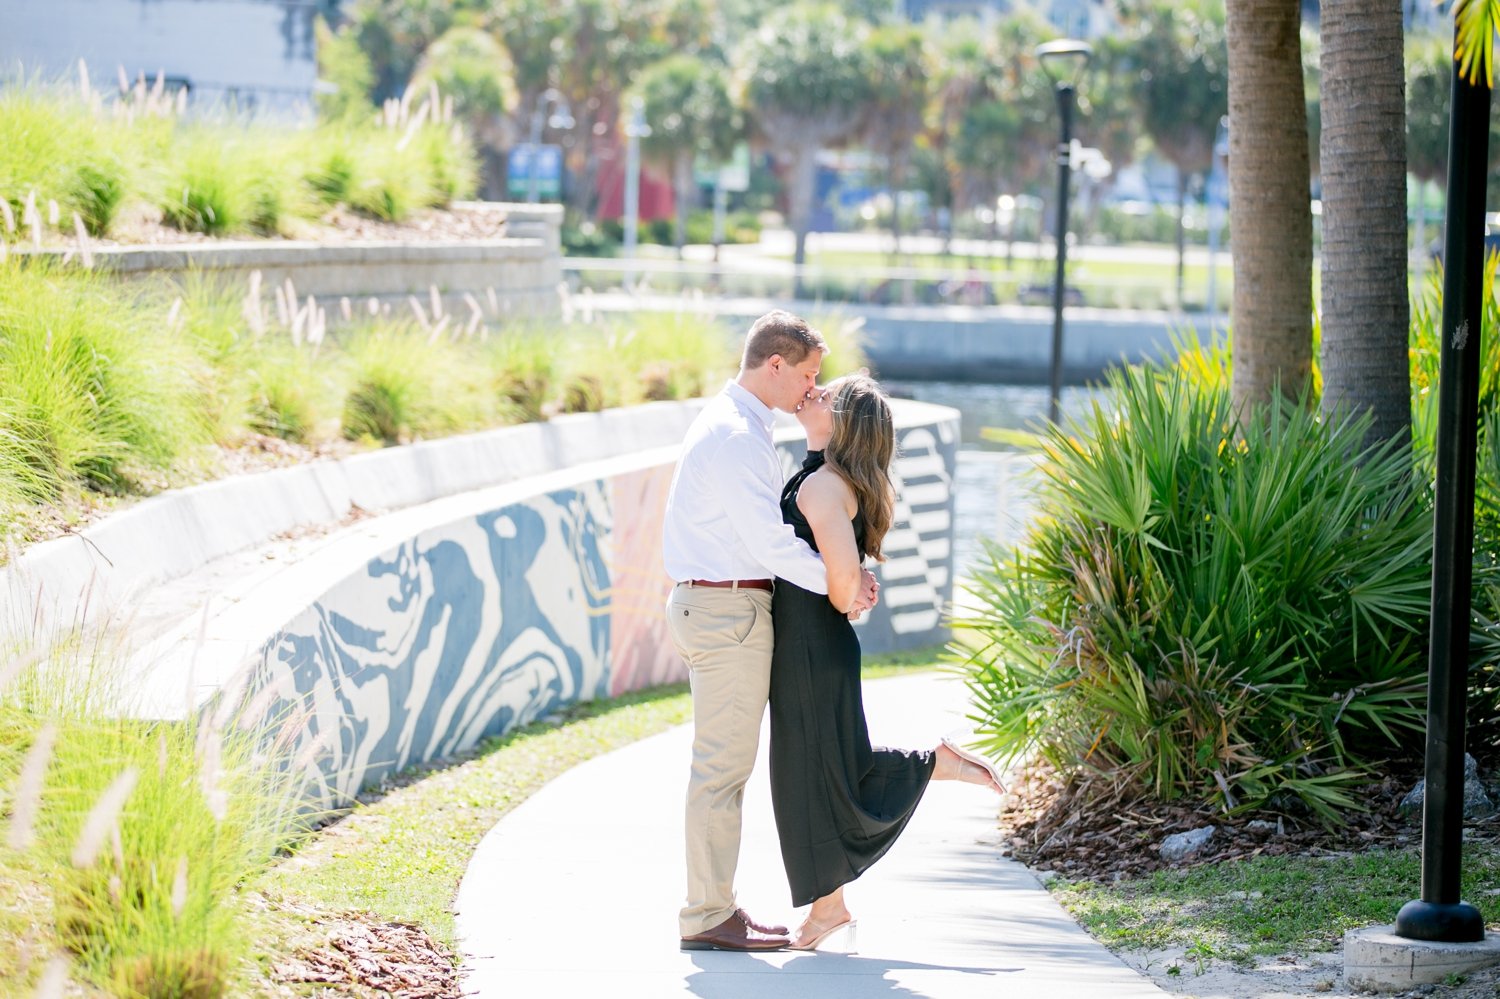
(860, 451)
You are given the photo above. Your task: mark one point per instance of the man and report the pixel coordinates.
(724, 542)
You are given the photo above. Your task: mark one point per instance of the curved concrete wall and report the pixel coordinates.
(508, 607)
(514, 572)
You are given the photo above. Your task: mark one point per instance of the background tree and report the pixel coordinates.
(806, 83)
(1268, 200)
(1429, 81)
(1107, 116)
(901, 89)
(605, 45)
(1477, 21)
(1180, 76)
(470, 66)
(1429, 77)
(994, 116)
(966, 58)
(343, 65)
(1018, 153)
(1365, 315)
(394, 34)
(533, 31)
(1312, 74)
(686, 99)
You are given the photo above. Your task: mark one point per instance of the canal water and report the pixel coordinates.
(992, 483)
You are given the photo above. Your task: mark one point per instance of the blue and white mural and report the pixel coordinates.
(474, 627)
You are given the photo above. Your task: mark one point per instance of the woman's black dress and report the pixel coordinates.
(839, 803)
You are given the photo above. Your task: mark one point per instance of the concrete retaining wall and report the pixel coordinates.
(510, 277)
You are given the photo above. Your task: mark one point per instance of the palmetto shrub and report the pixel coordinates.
(1208, 607)
(1484, 660)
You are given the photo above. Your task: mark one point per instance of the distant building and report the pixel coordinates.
(1074, 18)
(1425, 15)
(254, 55)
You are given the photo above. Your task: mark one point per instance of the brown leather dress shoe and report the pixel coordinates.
(737, 933)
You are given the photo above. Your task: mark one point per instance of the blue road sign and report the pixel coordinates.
(545, 160)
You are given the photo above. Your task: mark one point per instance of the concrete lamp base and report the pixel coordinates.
(1375, 958)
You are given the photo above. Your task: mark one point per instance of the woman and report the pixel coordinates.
(839, 803)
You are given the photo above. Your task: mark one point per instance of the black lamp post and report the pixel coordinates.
(1064, 61)
(1440, 914)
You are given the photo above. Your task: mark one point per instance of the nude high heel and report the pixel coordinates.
(849, 928)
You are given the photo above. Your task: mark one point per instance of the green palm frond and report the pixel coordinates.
(1477, 22)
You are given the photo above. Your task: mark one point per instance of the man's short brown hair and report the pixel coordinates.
(780, 332)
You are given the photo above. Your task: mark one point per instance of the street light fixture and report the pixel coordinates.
(561, 118)
(1064, 61)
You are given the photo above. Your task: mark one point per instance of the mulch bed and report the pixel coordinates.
(365, 956)
(1097, 830)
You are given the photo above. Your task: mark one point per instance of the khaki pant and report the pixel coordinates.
(725, 637)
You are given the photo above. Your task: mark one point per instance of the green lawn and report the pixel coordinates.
(1267, 905)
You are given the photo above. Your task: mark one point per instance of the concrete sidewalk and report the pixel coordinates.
(576, 892)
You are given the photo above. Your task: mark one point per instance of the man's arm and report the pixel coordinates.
(748, 483)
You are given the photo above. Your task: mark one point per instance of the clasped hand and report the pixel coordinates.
(869, 595)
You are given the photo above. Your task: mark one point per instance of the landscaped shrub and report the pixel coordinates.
(54, 148)
(93, 385)
(675, 355)
(845, 338)
(100, 382)
(204, 186)
(1227, 610)
(404, 383)
(524, 362)
(295, 395)
(141, 831)
(391, 182)
(92, 158)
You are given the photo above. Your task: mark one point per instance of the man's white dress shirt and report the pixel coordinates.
(723, 517)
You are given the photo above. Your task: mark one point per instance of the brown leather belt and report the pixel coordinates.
(730, 584)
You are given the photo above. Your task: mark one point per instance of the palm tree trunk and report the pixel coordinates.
(802, 179)
(682, 191)
(1271, 219)
(895, 169)
(1182, 186)
(1363, 151)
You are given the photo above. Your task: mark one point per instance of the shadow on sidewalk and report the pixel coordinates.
(723, 975)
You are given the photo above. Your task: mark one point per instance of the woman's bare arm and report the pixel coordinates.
(828, 503)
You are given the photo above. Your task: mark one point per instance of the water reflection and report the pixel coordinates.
(1006, 407)
(993, 496)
